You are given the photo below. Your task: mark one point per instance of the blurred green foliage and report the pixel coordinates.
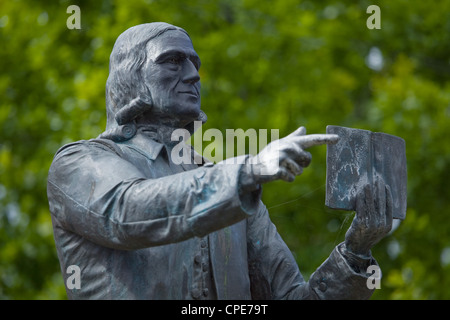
(265, 64)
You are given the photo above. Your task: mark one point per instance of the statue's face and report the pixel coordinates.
(171, 74)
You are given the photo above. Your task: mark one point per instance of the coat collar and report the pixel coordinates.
(147, 141)
(145, 144)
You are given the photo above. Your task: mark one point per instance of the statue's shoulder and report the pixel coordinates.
(88, 145)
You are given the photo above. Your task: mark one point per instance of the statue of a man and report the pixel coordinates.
(139, 226)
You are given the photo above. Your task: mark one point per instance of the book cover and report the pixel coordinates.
(360, 157)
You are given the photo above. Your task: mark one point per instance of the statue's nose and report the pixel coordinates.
(190, 72)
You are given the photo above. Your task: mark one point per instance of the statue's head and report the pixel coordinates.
(153, 74)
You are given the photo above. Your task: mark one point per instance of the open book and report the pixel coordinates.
(359, 157)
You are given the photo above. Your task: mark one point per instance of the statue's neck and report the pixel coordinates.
(159, 133)
(160, 128)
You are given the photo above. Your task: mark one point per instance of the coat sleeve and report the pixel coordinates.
(95, 193)
(274, 273)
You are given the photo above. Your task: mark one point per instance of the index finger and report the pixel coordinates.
(312, 140)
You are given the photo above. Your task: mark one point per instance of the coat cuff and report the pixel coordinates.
(336, 278)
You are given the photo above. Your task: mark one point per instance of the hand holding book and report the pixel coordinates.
(366, 172)
(373, 219)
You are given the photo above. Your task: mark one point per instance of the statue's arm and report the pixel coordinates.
(274, 272)
(95, 193)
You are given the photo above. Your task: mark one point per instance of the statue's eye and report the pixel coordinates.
(174, 60)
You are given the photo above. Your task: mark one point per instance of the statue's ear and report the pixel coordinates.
(132, 110)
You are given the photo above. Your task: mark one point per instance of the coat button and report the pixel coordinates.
(198, 258)
(196, 293)
(205, 292)
(323, 286)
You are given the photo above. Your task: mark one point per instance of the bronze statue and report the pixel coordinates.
(141, 227)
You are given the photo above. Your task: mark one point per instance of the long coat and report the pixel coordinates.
(140, 227)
